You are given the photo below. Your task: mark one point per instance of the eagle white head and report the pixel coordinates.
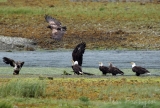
(100, 64)
(133, 64)
(76, 63)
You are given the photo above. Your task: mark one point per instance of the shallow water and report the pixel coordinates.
(121, 59)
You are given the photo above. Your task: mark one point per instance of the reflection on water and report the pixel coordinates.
(121, 59)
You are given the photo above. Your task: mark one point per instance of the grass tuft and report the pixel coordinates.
(84, 99)
(5, 105)
(23, 88)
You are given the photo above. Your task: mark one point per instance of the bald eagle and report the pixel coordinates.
(104, 69)
(57, 29)
(16, 64)
(114, 70)
(77, 54)
(138, 69)
(76, 68)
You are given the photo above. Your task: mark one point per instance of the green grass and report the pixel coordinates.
(109, 11)
(23, 88)
(3, 1)
(50, 103)
(4, 104)
(114, 92)
(58, 71)
(21, 10)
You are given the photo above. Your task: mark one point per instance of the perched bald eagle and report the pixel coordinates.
(114, 70)
(77, 54)
(138, 69)
(57, 29)
(76, 68)
(16, 64)
(104, 69)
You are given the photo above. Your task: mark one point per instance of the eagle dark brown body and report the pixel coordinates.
(114, 70)
(76, 68)
(103, 69)
(139, 70)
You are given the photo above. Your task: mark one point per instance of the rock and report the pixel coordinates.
(16, 43)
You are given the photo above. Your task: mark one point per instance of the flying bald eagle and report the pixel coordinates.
(16, 64)
(104, 69)
(77, 54)
(114, 70)
(138, 69)
(57, 29)
(76, 68)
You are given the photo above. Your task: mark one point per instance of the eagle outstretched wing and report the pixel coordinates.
(9, 61)
(77, 54)
(52, 21)
(57, 29)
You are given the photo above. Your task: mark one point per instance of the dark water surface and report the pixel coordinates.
(121, 59)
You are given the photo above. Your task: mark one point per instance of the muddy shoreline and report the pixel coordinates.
(102, 25)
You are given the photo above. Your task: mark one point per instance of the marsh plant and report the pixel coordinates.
(23, 88)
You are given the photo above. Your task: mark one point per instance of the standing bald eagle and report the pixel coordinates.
(138, 69)
(16, 64)
(76, 68)
(104, 69)
(114, 70)
(77, 54)
(57, 29)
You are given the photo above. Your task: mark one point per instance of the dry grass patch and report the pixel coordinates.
(132, 88)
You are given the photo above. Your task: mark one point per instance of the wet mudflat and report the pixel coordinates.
(62, 58)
